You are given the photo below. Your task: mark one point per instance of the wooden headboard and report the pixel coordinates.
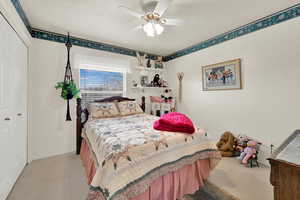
(83, 114)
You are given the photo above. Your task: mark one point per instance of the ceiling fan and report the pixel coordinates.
(153, 20)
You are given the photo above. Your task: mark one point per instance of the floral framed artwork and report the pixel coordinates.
(222, 76)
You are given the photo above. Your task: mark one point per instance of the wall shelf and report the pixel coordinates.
(149, 69)
(149, 87)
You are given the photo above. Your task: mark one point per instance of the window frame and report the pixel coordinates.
(106, 69)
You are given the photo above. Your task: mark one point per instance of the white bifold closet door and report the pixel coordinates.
(13, 107)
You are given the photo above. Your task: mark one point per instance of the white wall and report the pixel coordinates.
(49, 133)
(268, 106)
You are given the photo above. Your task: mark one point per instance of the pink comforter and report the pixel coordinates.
(175, 122)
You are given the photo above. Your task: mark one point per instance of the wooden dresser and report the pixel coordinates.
(285, 169)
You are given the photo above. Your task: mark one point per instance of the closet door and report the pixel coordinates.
(13, 126)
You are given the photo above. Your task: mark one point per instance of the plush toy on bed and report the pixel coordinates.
(248, 152)
(227, 144)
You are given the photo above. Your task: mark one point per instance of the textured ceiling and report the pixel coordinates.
(103, 21)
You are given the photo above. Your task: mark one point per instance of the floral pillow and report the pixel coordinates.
(129, 108)
(103, 110)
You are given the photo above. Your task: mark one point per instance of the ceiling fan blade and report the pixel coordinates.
(132, 12)
(173, 22)
(137, 28)
(162, 6)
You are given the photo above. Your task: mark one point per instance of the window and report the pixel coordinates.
(99, 84)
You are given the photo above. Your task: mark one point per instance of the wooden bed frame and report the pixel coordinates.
(80, 111)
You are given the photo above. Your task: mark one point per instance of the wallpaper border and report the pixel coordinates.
(56, 37)
(259, 24)
(22, 14)
(262, 23)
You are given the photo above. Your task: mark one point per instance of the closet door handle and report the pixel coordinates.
(19, 114)
(7, 119)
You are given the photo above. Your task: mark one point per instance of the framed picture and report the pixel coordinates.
(222, 76)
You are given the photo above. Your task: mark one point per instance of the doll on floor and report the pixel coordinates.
(248, 152)
(241, 143)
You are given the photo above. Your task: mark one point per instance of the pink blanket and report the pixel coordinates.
(175, 122)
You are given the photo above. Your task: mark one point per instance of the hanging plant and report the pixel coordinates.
(68, 86)
(68, 90)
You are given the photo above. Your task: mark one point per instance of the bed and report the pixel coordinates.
(126, 159)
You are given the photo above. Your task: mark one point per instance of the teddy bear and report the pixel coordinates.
(226, 144)
(248, 152)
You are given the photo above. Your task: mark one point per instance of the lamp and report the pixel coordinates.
(153, 28)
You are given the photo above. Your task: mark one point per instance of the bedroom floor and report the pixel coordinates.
(242, 182)
(62, 178)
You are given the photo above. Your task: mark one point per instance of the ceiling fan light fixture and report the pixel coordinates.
(149, 29)
(153, 28)
(153, 16)
(159, 29)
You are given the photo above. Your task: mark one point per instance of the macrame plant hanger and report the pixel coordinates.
(68, 78)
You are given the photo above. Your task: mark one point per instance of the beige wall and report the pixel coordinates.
(268, 106)
(49, 133)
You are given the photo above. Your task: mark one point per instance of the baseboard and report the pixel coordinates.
(10, 184)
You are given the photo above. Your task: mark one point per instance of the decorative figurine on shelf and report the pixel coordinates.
(149, 62)
(141, 58)
(248, 152)
(164, 83)
(156, 81)
(159, 63)
(134, 83)
(144, 81)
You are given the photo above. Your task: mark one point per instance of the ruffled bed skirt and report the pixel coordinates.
(171, 186)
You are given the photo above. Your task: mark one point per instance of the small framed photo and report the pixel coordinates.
(222, 76)
(144, 81)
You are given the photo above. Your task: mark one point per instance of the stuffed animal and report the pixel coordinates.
(156, 81)
(248, 152)
(227, 144)
(164, 83)
(167, 96)
(241, 143)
